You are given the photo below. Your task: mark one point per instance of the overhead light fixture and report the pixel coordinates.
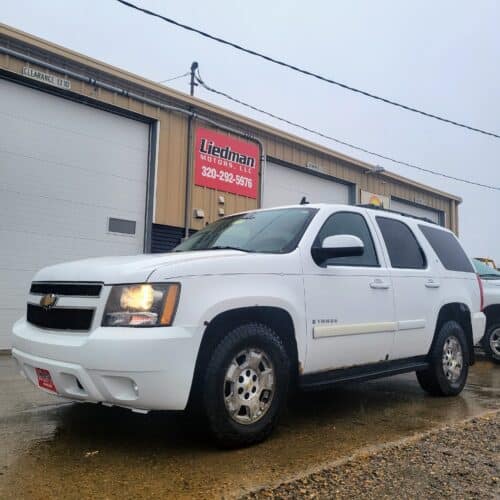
(377, 169)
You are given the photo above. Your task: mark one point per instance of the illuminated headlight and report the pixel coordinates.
(147, 304)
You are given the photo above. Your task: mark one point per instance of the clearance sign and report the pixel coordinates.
(226, 163)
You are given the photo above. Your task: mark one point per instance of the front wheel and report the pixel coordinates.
(246, 384)
(449, 362)
(491, 342)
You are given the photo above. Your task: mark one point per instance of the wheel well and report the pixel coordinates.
(275, 318)
(492, 314)
(460, 313)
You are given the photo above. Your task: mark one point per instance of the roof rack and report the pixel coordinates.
(382, 209)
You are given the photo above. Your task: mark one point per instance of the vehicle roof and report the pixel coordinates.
(373, 209)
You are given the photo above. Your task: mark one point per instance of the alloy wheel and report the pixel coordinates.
(452, 359)
(495, 342)
(249, 386)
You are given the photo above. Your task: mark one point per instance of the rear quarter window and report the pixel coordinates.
(448, 249)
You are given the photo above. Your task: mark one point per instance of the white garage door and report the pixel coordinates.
(65, 169)
(287, 186)
(408, 208)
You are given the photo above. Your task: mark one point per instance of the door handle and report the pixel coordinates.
(432, 284)
(379, 284)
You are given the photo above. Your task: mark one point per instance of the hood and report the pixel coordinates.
(152, 267)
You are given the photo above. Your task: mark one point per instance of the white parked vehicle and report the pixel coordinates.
(307, 295)
(490, 279)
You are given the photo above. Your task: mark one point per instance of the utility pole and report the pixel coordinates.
(193, 84)
(189, 158)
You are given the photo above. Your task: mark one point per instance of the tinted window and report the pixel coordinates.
(448, 249)
(267, 231)
(349, 223)
(404, 250)
(484, 270)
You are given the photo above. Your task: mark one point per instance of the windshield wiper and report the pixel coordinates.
(490, 275)
(226, 247)
(216, 247)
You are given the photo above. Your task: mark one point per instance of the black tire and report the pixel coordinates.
(228, 432)
(434, 380)
(491, 330)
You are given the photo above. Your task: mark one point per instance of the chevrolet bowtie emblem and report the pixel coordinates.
(48, 301)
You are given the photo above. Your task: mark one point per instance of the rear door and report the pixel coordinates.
(416, 287)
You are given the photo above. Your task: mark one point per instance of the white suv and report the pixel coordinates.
(255, 303)
(490, 279)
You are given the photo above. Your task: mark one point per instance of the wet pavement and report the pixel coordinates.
(51, 448)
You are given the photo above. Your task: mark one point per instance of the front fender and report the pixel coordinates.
(203, 298)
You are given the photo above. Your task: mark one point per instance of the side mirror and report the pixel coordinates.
(340, 245)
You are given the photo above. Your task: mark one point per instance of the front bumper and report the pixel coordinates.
(139, 368)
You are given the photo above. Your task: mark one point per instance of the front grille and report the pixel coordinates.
(60, 318)
(70, 289)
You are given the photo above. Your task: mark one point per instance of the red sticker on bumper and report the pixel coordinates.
(45, 380)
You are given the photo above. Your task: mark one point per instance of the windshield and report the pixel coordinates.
(485, 271)
(268, 231)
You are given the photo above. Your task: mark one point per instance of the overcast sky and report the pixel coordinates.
(438, 56)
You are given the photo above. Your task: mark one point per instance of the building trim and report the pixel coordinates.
(72, 96)
(188, 101)
(151, 185)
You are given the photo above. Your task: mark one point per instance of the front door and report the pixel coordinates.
(350, 305)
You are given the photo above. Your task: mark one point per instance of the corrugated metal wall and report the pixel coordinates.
(164, 238)
(172, 145)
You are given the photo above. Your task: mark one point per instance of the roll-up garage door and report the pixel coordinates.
(73, 185)
(419, 211)
(287, 186)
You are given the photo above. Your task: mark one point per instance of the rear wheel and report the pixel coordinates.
(491, 342)
(449, 362)
(246, 384)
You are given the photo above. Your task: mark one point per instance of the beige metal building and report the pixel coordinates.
(95, 160)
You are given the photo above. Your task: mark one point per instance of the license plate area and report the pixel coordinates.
(45, 380)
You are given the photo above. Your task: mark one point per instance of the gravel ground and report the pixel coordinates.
(460, 461)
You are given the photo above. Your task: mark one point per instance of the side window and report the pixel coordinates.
(448, 249)
(349, 223)
(402, 245)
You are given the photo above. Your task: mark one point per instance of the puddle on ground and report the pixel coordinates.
(80, 450)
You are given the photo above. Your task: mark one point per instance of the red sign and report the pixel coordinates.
(226, 163)
(45, 380)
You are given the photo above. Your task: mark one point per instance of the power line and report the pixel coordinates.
(305, 71)
(174, 78)
(338, 141)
